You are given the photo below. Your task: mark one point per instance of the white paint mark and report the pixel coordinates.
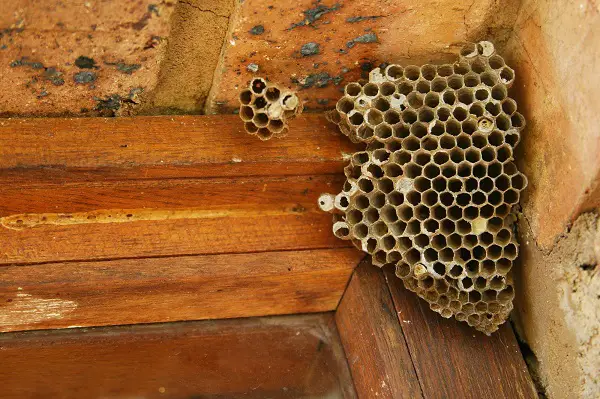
(27, 309)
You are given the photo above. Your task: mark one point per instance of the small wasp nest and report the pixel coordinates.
(434, 190)
(265, 109)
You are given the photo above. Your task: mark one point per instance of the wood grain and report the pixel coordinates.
(60, 295)
(49, 222)
(375, 347)
(453, 360)
(281, 357)
(163, 147)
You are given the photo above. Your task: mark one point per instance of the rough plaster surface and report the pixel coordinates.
(316, 47)
(558, 308)
(194, 46)
(555, 50)
(41, 40)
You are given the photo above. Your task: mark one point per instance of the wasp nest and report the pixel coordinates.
(265, 109)
(434, 190)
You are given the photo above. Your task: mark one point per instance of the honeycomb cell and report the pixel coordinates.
(434, 190)
(265, 109)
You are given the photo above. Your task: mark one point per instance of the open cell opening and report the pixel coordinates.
(412, 170)
(361, 231)
(476, 109)
(385, 185)
(409, 116)
(489, 78)
(507, 74)
(371, 90)
(356, 119)
(460, 113)
(461, 67)
(391, 117)
(353, 89)
(496, 62)
(366, 185)
(387, 89)
(455, 82)
(392, 170)
(423, 87)
(499, 92)
(426, 115)
(471, 79)
(421, 240)
(258, 85)
(412, 72)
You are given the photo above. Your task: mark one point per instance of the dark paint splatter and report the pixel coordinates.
(321, 79)
(84, 77)
(152, 42)
(309, 49)
(42, 94)
(257, 30)
(54, 76)
(367, 38)
(123, 67)
(84, 62)
(153, 9)
(360, 19)
(24, 61)
(313, 14)
(110, 103)
(128, 68)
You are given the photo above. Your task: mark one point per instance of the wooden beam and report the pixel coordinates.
(50, 222)
(163, 147)
(280, 357)
(453, 360)
(61, 295)
(375, 347)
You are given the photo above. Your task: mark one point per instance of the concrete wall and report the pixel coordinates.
(555, 50)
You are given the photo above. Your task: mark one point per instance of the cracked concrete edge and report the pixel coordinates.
(210, 106)
(198, 30)
(557, 308)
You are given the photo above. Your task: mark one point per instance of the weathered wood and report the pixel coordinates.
(375, 347)
(124, 219)
(163, 147)
(453, 360)
(281, 357)
(60, 295)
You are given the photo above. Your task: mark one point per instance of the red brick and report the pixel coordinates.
(118, 36)
(407, 32)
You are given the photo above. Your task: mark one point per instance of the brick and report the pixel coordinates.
(41, 40)
(352, 38)
(555, 52)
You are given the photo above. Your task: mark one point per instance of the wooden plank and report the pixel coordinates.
(163, 147)
(60, 295)
(453, 360)
(109, 220)
(379, 359)
(282, 357)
